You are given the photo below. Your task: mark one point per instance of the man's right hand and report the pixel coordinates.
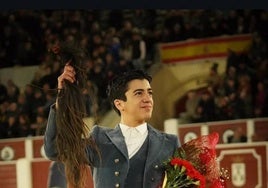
(68, 74)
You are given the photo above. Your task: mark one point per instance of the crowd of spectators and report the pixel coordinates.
(116, 41)
(240, 93)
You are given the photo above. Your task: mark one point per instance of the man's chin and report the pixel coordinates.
(147, 117)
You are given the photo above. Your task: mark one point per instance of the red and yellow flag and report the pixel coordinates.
(194, 49)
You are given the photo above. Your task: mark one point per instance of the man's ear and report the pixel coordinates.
(118, 104)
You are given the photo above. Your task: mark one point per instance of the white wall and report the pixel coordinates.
(20, 75)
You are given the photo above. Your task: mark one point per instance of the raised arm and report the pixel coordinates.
(50, 134)
(66, 136)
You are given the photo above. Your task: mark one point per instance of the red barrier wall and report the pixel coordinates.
(8, 175)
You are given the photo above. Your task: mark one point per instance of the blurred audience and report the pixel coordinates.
(237, 136)
(119, 40)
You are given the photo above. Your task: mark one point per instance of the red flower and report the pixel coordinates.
(194, 164)
(218, 183)
(207, 155)
(175, 161)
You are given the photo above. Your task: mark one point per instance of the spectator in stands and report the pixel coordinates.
(230, 88)
(126, 52)
(230, 74)
(27, 54)
(12, 109)
(176, 33)
(214, 79)
(13, 91)
(110, 66)
(232, 60)
(126, 32)
(124, 66)
(23, 105)
(90, 94)
(206, 108)
(138, 50)
(3, 92)
(114, 48)
(48, 101)
(38, 127)
(214, 27)
(49, 77)
(244, 98)
(139, 18)
(190, 114)
(38, 100)
(258, 49)
(224, 109)
(29, 100)
(261, 71)
(24, 125)
(3, 119)
(260, 100)
(238, 136)
(12, 128)
(99, 78)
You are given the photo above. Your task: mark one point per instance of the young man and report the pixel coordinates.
(131, 154)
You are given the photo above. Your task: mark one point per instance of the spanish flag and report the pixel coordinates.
(194, 49)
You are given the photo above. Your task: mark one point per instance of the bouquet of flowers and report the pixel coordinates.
(194, 164)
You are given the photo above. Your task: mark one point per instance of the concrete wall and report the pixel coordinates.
(171, 82)
(20, 75)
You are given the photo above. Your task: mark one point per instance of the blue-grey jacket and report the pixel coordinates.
(113, 168)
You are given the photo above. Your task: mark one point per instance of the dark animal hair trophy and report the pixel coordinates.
(72, 133)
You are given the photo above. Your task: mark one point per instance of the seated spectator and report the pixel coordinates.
(3, 119)
(190, 115)
(12, 91)
(39, 126)
(3, 92)
(260, 100)
(206, 108)
(23, 125)
(214, 79)
(238, 136)
(44, 109)
(12, 127)
(138, 50)
(123, 66)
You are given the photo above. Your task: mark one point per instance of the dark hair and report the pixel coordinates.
(72, 132)
(118, 86)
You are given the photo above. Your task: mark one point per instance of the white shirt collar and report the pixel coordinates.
(140, 128)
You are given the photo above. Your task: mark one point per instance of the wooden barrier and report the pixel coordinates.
(253, 129)
(40, 169)
(8, 175)
(246, 164)
(23, 163)
(10, 147)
